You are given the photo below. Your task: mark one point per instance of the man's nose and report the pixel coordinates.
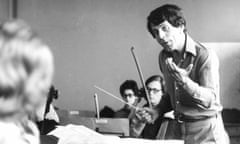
(161, 35)
(151, 94)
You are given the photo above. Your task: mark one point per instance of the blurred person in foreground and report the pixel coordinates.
(26, 72)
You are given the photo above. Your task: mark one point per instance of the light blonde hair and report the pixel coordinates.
(26, 65)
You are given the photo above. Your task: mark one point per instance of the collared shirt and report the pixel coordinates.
(199, 96)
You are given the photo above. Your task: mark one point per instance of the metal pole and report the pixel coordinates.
(12, 9)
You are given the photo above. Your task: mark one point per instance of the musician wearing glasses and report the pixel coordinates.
(155, 89)
(129, 93)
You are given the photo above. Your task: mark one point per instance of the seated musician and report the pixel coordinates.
(26, 71)
(129, 93)
(155, 87)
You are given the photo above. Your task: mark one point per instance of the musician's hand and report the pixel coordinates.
(148, 115)
(179, 74)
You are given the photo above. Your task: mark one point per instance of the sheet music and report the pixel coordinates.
(78, 134)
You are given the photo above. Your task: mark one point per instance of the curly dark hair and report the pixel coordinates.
(169, 12)
(129, 84)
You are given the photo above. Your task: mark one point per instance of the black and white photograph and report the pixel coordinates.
(119, 71)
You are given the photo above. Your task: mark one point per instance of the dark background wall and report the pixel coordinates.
(91, 41)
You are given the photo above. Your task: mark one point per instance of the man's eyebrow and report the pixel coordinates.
(162, 24)
(158, 26)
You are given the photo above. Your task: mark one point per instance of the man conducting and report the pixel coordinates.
(191, 72)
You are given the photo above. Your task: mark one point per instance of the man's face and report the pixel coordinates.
(155, 92)
(168, 36)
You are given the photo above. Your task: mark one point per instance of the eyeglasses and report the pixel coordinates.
(154, 90)
(128, 95)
